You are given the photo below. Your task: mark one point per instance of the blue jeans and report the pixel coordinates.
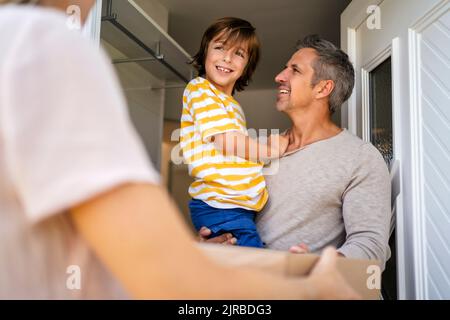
(237, 221)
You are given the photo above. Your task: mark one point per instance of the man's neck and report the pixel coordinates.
(309, 127)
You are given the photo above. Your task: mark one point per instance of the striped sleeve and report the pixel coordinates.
(209, 114)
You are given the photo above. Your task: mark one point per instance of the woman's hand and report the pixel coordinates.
(328, 281)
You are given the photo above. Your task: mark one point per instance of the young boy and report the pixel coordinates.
(229, 187)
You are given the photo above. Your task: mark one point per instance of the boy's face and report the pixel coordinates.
(225, 63)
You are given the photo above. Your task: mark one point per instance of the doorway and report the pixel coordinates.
(381, 136)
(412, 39)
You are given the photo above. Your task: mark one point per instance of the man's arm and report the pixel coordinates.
(235, 143)
(366, 208)
(127, 227)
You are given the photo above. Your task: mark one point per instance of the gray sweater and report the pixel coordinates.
(333, 192)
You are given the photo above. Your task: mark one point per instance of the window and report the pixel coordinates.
(381, 110)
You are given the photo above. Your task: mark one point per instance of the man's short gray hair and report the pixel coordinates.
(331, 64)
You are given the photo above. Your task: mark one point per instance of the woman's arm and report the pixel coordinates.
(127, 227)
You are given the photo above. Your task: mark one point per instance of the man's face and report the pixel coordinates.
(294, 82)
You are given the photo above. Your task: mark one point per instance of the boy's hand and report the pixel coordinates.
(284, 144)
(278, 145)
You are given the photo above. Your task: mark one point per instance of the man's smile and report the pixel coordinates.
(283, 90)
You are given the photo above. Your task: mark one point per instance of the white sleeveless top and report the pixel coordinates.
(64, 137)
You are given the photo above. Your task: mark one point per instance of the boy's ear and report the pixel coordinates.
(324, 88)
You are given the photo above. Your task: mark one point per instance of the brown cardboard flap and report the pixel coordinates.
(356, 272)
(287, 264)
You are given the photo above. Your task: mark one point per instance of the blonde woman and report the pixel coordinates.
(80, 204)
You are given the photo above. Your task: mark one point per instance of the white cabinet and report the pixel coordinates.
(146, 58)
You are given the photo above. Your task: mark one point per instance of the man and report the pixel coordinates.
(332, 188)
(77, 193)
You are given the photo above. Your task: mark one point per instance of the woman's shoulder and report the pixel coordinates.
(43, 35)
(23, 18)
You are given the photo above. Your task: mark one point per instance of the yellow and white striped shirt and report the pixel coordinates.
(221, 181)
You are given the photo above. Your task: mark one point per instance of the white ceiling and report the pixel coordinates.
(279, 24)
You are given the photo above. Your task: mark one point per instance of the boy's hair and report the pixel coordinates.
(232, 30)
(331, 64)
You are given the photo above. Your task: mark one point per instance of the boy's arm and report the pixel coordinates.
(236, 143)
(127, 228)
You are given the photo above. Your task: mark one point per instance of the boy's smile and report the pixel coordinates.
(225, 64)
(223, 69)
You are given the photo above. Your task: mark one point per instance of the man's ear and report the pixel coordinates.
(324, 88)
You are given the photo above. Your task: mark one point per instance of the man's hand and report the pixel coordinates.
(303, 249)
(300, 248)
(330, 284)
(226, 238)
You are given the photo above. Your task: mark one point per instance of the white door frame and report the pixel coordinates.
(350, 22)
(393, 52)
(405, 51)
(365, 82)
(93, 23)
(351, 19)
(414, 34)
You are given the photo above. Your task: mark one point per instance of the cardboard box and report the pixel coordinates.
(363, 275)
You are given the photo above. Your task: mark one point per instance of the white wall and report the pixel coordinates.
(146, 106)
(260, 110)
(173, 103)
(156, 11)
